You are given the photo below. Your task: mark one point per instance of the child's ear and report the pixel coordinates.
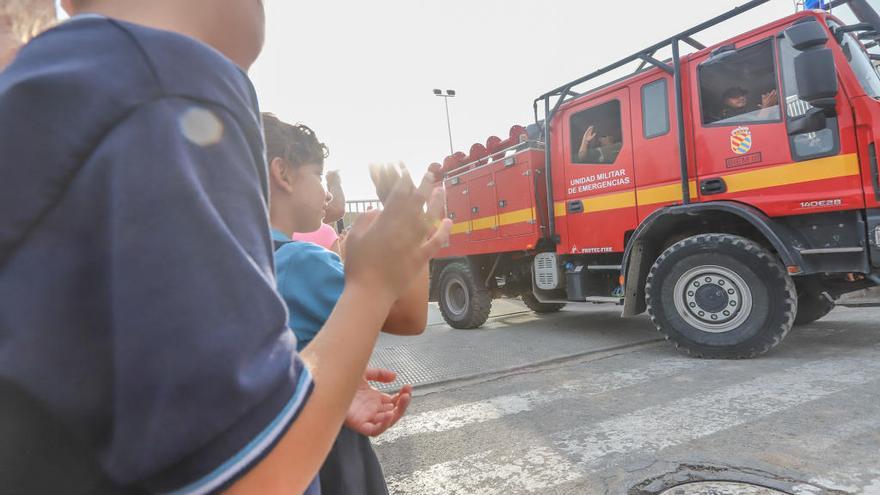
(280, 174)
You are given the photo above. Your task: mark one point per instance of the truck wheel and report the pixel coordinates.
(532, 302)
(812, 306)
(721, 296)
(464, 302)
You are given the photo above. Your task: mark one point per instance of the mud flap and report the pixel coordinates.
(873, 217)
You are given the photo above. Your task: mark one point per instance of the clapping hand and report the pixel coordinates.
(333, 179)
(386, 249)
(372, 412)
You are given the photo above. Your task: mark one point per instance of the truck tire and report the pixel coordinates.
(464, 302)
(532, 302)
(721, 296)
(812, 306)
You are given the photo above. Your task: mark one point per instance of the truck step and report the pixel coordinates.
(601, 268)
(840, 250)
(590, 301)
(605, 300)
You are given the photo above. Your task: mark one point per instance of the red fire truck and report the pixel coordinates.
(731, 192)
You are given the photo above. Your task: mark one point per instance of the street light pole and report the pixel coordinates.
(449, 93)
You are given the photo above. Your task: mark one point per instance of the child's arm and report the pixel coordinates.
(409, 314)
(376, 275)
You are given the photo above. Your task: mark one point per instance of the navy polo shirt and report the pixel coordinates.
(137, 294)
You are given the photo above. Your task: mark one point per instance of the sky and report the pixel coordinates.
(361, 74)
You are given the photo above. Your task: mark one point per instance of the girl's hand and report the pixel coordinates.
(372, 412)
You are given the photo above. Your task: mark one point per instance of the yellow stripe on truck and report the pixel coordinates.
(460, 228)
(559, 209)
(615, 201)
(794, 173)
(663, 194)
(509, 218)
(626, 199)
(782, 175)
(518, 216)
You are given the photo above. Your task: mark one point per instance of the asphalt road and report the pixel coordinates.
(584, 403)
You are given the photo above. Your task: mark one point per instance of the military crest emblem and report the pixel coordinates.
(741, 140)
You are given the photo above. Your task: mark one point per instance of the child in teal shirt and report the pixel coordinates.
(311, 280)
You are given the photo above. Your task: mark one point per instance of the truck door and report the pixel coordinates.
(600, 189)
(655, 137)
(743, 150)
(482, 203)
(457, 209)
(864, 84)
(516, 196)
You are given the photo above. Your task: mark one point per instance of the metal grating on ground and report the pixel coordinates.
(511, 339)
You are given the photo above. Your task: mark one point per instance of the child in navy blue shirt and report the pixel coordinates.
(139, 321)
(311, 280)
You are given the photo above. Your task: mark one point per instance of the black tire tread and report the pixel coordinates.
(480, 298)
(532, 303)
(747, 245)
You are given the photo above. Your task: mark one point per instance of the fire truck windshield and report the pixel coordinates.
(861, 65)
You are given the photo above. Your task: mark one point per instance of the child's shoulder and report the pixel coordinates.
(83, 58)
(300, 264)
(306, 252)
(117, 65)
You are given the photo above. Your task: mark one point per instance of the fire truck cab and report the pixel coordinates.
(731, 193)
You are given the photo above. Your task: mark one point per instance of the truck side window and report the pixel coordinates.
(596, 136)
(739, 86)
(812, 144)
(655, 109)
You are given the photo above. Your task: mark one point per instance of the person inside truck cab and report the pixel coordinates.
(598, 147)
(735, 103)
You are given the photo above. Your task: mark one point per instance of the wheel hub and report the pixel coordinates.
(713, 298)
(457, 298)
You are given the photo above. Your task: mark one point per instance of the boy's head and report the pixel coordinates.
(21, 20)
(296, 166)
(234, 27)
(735, 97)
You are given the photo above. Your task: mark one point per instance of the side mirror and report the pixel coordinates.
(812, 121)
(806, 35)
(816, 77)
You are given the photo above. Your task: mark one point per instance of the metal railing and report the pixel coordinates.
(354, 208)
(361, 205)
